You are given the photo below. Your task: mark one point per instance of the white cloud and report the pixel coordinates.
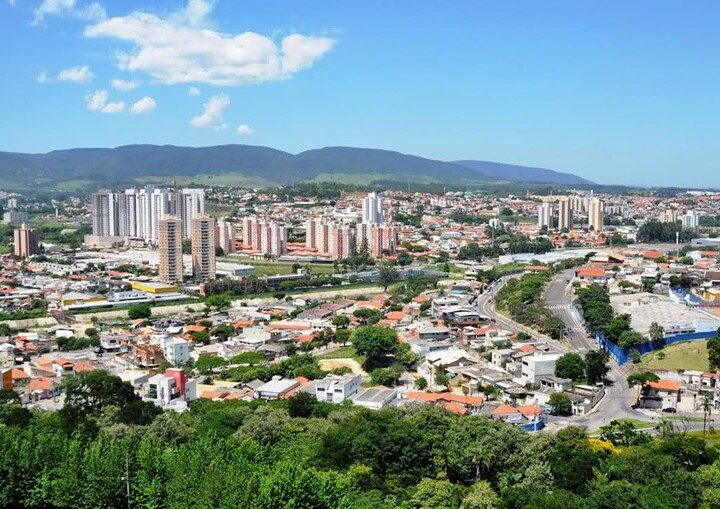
(77, 74)
(212, 116)
(176, 50)
(123, 85)
(144, 105)
(42, 77)
(245, 129)
(97, 100)
(195, 13)
(117, 107)
(90, 12)
(193, 91)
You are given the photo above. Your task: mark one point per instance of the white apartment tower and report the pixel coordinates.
(545, 215)
(596, 214)
(565, 213)
(137, 212)
(104, 214)
(372, 209)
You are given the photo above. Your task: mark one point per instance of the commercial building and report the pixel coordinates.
(26, 242)
(170, 250)
(203, 247)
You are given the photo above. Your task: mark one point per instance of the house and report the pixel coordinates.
(451, 360)
(337, 388)
(530, 417)
(376, 398)
(147, 356)
(277, 388)
(534, 367)
(663, 394)
(456, 403)
(172, 389)
(175, 350)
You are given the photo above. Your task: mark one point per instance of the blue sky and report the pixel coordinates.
(618, 92)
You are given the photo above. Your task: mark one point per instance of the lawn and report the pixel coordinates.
(686, 355)
(347, 352)
(273, 268)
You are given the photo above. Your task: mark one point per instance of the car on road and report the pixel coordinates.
(570, 330)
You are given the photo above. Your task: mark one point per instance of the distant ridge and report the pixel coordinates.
(522, 173)
(125, 163)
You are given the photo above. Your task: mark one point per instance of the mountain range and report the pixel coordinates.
(106, 166)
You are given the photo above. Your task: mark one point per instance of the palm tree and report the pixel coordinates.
(706, 404)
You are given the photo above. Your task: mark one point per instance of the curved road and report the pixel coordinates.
(618, 400)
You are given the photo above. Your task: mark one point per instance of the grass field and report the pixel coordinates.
(273, 268)
(685, 355)
(347, 352)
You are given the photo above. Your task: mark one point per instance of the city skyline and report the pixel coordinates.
(615, 93)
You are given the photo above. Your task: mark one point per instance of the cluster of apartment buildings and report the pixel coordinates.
(136, 213)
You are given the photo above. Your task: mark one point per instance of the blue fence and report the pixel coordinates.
(622, 355)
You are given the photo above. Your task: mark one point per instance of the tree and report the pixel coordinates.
(404, 258)
(207, 362)
(137, 311)
(341, 321)
(657, 332)
(630, 338)
(92, 391)
(9, 396)
(441, 376)
(223, 331)
(561, 404)
(570, 365)
(623, 433)
(713, 347)
(480, 496)
(250, 358)
(389, 377)
(387, 275)
(302, 404)
(218, 301)
(421, 383)
(596, 366)
(375, 342)
(707, 405)
(431, 493)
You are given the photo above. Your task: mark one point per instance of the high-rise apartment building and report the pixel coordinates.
(202, 237)
(690, 220)
(26, 242)
(596, 214)
(267, 237)
(225, 236)
(170, 249)
(669, 216)
(372, 209)
(104, 214)
(137, 212)
(545, 215)
(565, 214)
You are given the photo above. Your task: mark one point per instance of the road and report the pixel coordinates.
(486, 305)
(618, 400)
